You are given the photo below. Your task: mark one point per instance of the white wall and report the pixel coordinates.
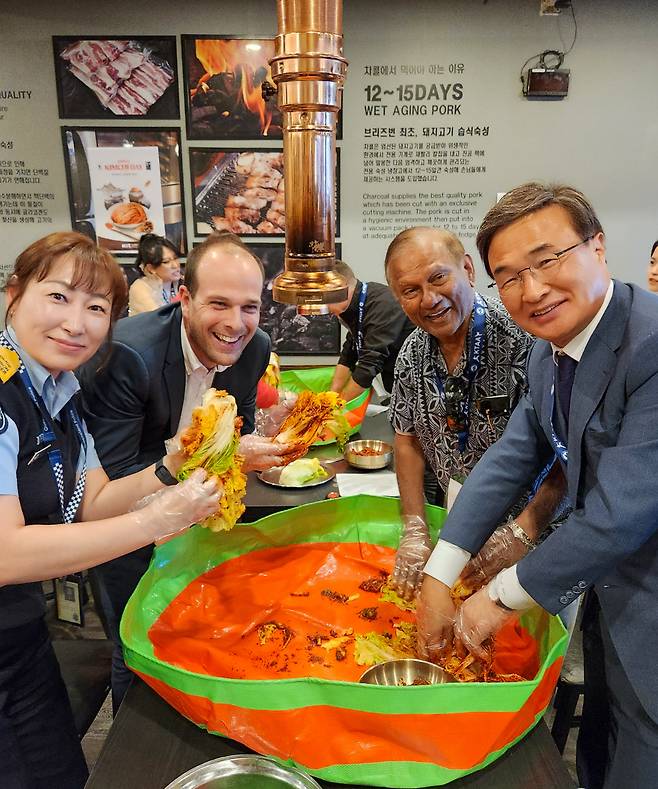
(603, 137)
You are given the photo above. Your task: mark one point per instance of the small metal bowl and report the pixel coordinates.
(380, 460)
(403, 672)
(246, 771)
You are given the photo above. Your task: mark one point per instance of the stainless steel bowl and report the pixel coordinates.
(406, 671)
(243, 771)
(382, 459)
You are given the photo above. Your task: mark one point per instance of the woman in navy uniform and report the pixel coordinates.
(59, 513)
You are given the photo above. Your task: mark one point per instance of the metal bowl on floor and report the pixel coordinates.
(368, 454)
(403, 672)
(243, 771)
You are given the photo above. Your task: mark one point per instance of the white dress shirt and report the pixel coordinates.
(198, 379)
(447, 560)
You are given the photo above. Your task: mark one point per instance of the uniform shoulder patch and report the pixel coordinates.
(4, 422)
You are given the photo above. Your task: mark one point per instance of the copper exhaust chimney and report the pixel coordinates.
(309, 70)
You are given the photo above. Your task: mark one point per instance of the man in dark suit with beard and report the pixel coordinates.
(161, 364)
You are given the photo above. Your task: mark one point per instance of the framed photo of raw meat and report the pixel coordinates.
(223, 78)
(121, 199)
(293, 334)
(110, 77)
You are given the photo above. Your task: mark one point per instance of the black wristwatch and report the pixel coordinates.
(163, 473)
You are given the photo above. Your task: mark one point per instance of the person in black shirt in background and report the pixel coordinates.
(377, 328)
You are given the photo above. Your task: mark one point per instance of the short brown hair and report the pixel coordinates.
(221, 239)
(345, 271)
(448, 239)
(531, 197)
(94, 269)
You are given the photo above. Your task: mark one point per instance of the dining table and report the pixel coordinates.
(150, 744)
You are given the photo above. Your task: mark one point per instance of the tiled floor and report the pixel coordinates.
(92, 742)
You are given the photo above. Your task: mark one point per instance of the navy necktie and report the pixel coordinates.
(565, 371)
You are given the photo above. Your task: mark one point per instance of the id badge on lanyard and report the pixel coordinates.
(47, 441)
(359, 328)
(473, 363)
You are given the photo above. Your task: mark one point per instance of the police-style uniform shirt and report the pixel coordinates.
(25, 472)
(418, 404)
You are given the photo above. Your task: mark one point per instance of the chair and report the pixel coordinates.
(570, 687)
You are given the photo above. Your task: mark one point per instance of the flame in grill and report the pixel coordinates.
(242, 59)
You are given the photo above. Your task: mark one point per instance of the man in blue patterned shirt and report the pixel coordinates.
(458, 376)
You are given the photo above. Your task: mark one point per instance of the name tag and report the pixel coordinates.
(9, 363)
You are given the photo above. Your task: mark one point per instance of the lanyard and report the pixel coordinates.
(47, 438)
(359, 326)
(473, 363)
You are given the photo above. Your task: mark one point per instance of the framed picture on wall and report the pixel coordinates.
(113, 209)
(242, 191)
(293, 334)
(223, 78)
(238, 190)
(109, 77)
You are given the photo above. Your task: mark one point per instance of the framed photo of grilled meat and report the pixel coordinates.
(241, 191)
(224, 77)
(238, 190)
(117, 210)
(293, 334)
(110, 77)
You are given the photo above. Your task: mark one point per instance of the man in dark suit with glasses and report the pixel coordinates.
(593, 389)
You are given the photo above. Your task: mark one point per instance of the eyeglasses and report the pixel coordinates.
(541, 271)
(456, 391)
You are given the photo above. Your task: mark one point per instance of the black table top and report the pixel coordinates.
(262, 499)
(150, 744)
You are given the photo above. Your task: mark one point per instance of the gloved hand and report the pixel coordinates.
(435, 617)
(261, 453)
(414, 551)
(501, 550)
(171, 510)
(269, 420)
(478, 619)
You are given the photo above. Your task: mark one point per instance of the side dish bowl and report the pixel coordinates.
(368, 454)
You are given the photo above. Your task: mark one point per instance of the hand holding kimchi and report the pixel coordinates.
(211, 443)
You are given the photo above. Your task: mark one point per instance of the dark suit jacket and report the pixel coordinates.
(134, 403)
(610, 541)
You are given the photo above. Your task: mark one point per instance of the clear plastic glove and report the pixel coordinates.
(269, 420)
(261, 453)
(478, 619)
(413, 553)
(171, 510)
(174, 458)
(435, 617)
(501, 550)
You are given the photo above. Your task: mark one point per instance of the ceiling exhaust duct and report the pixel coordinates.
(309, 70)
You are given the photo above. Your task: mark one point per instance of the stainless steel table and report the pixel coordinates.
(262, 499)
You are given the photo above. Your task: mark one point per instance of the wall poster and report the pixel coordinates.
(126, 194)
(105, 77)
(223, 88)
(128, 208)
(293, 334)
(241, 191)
